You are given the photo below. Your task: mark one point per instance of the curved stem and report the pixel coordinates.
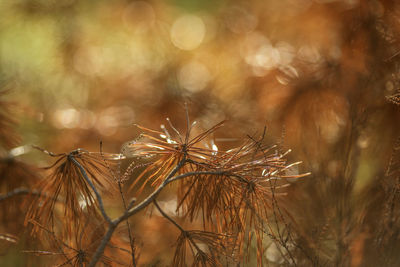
(113, 225)
(150, 199)
(19, 191)
(131, 240)
(167, 217)
(98, 196)
(186, 233)
(99, 251)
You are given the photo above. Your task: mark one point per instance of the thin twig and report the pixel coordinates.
(99, 251)
(113, 225)
(153, 195)
(20, 191)
(187, 235)
(167, 217)
(222, 172)
(128, 213)
(131, 241)
(98, 196)
(184, 175)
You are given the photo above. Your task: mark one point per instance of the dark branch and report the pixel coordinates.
(167, 217)
(98, 196)
(20, 191)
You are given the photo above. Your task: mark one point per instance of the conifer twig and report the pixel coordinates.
(113, 225)
(167, 217)
(98, 196)
(150, 199)
(131, 240)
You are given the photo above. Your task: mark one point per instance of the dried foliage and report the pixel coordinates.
(67, 186)
(233, 191)
(167, 150)
(78, 250)
(331, 82)
(213, 245)
(395, 99)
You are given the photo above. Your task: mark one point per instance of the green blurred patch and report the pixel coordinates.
(198, 5)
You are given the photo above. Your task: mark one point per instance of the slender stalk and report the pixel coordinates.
(155, 193)
(98, 196)
(184, 175)
(99, 251)
(167, 217)
(131, 241)
(147, 201)
(186, 233)
(113, 225)
(19, 191)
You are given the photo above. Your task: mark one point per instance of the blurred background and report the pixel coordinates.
(84, 71)
(322, 75)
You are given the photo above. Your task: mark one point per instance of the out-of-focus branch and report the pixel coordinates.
(19, 191)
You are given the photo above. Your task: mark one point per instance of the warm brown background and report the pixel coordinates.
(319, 74)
